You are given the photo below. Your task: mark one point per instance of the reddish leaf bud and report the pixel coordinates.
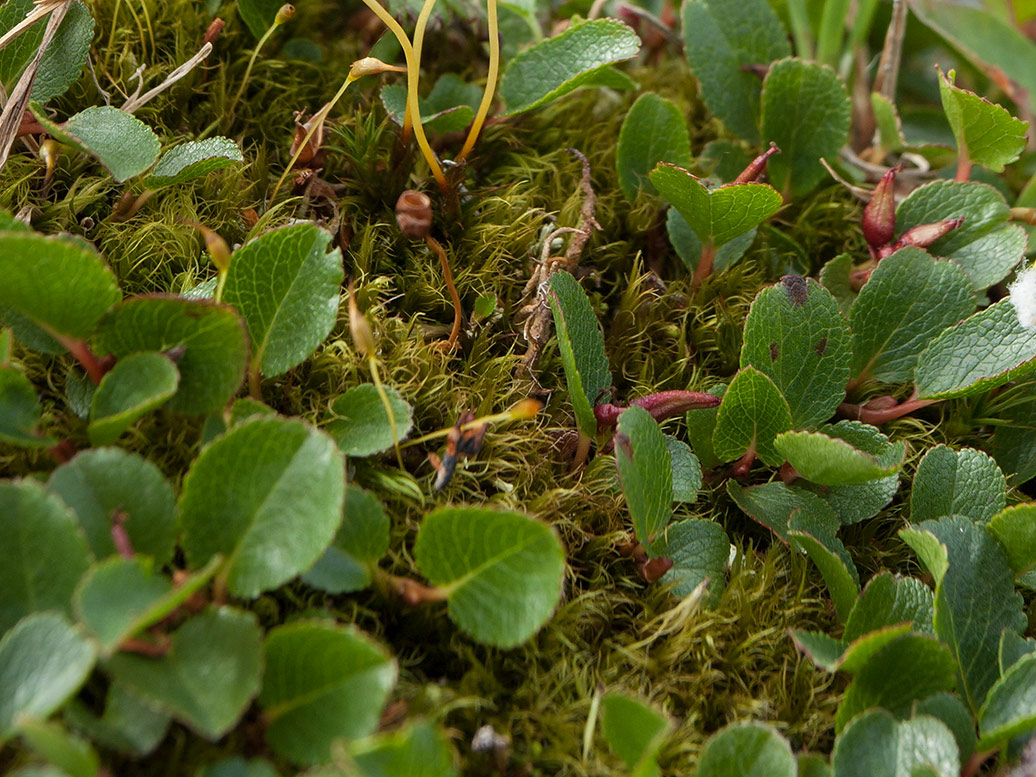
(924, 235)
(757, 165)
(879, 217)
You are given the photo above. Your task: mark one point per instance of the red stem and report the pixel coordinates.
(704, 268)
(880, 416)
(82, 353)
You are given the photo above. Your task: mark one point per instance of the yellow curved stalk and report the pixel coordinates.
(487, 95)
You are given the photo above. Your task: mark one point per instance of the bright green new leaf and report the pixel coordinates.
(322, 683)
(890, 129)
(948, 708)
(193, 159)
(686, 470)
(43, 554)
(717, 215)
(1015, 527)
(559, 65)
(64, 58)
(688, 245)
(449, 107)
(824, 549)
(887, 601)
(772, 505)
(720, 41)
(119, 140)
(209, 675)
(634, 731)
(258, 15)
(875, 743)
(909, 299)
(362, 540)
(965, 482)
(127, 724)
(645, 472)
(285, 285)
(753, 413)
(805, 111)
(361, 424)
(500, 571)
(1010, 708)
(905, 670)
(416, 750)
(43, 661)
(975, 598)
(53, 743)
(699, 551)
(830, 460)
(61, 286)
(120, 597)
(99, 483)
(985, 350)
(581, 344)
(747, 750)
(796, 335)
(985, 245)
(135, 386)
(268, 496)
(986, 133)
(19, 411)
(211, 336)
(653, 131)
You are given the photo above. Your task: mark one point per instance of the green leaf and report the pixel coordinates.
(581, 344)
(948, 708)
(715, 215)
(57, 284)
(653, 131)
(98, 483)
(773, 504)
(720, 41)
(559, 65)
(986, 134)
(808, 534)
(810, 765)
(19, 411)
(361, 425)
(805, 111)
(362, 540)
(982, 352)
(753, 413)
(238, 767)
(416, 750)
(134, 387)
(501, 571)
(634, 731)
(796, 335)
(645, 472)
(449, 107)
(52, 742)
(890, 129)
(699, 551)
(686, 470)
(193, 159)
(854, 504)
(1010, 708)
(835, 654)
(1015, 527)
(120, 597)
(258, 15)
(975, 598)
(835, 277)
(688, 245)
(118, 140)
(322, 682)
(1013, 443)
(747, 750)
(700, 426)
(212, 337)
(905, 670)
(43, 661)
(209, 675)
(909, 299)
(985, 245)
(965, 482)
(267, 495)
(888, 601)
(64, 58)
(874, 743)
(833, 460)
(823, 650)
(285, 284)
(43, 554)
(1013, 648)
(127, 724)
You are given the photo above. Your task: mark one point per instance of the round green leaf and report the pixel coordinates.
(449, 107)
(97, 483)
(258, 15)
(19, 411)
(874, 743)
(268, 496)
(634, 730)
(362, 539)
(747, 750)
(986, 133)
(211, 336)
(193, 160)
(501, 571)
(417, 750)
(285, 284)
(361, 425)
(653, 131)
(699, 551)
(322, 683)
(64, 58)
(134, 387)
(127, 723)
(1015, 527)
(845, 453)
(43, 661)
(965, 482)
(887, 601)
(43, 554)
(772, 505)
(753, 413)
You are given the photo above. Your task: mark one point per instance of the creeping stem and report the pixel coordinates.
(487, 95)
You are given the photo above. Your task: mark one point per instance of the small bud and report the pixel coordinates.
(879, 217)
(49, 150)
(284, 14)
(214, 31)
(215, 245)
(360, 330)
(371, 66)
(414, 214)
(527, 408)
(1023, 297)
(923, 235)
(757, 165)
